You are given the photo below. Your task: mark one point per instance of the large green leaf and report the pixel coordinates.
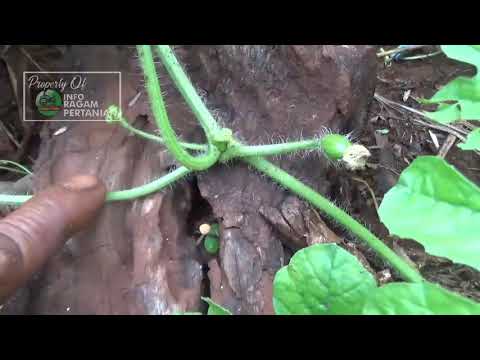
(437, 206)
(322, 279)
(469, 54)
(445, 114)
(418, 299)
(214, 308)
(463, 91)
(472, 142)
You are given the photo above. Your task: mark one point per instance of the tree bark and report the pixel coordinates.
(141, 256)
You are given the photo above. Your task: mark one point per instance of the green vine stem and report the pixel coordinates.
(22, 168)
(307, 193)
(6, 168)
(239, 150)
(234, 150)
(202, 162)
(184, 85)
(120, 195)
(117, 117)
(149, 188)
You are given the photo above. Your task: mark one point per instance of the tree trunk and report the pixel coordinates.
(141, 256)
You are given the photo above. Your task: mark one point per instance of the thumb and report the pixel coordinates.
(31, 234)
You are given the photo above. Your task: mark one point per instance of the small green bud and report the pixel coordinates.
(211, 244)
(223, 138)
(335, 145)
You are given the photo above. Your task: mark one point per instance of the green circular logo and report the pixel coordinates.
(49, 102)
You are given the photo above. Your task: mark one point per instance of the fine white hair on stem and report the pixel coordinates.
(353, 135)
(349, 136)
(270, 139)
(336, 164)
(239, 136)
(228, 164)
(305, 154)
(325, 131)
(221, 121)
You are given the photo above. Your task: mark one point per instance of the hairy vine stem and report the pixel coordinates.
(116, 116)
(120, 195)
(237, 150)
(310, 195)
(201, 162)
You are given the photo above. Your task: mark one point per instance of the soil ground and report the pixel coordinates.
(393, 136)
(399, 140)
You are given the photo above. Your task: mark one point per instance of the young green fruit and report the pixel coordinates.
(211, 244)
(335, 145)
(338, 148)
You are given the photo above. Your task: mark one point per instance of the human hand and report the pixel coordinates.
(35, 231)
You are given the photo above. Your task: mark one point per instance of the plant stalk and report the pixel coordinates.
(149, 188)
(152, 137)
(307, 193)
(184, 85)
(20, 166)
(201, 162)
(121, 195)
(240, 150)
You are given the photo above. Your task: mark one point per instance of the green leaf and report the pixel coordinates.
(461, 88)
(464, 91)
(445, 115)
(214, 308)
(322, 279)
(472, 142)
(437, 206)
(469, 54)
(418, 299)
